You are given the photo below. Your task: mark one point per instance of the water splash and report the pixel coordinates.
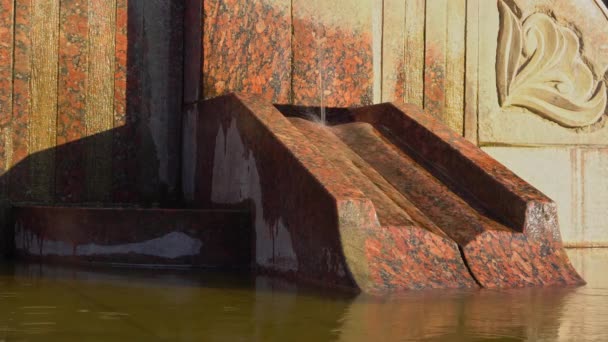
(315, 116)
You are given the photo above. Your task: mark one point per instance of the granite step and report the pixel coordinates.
(378, 199)
(427, 248)
(150, 237)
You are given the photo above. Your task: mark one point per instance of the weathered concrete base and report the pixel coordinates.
(153, 237)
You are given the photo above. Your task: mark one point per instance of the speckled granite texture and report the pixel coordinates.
(299, 52)
(90, 101)
(246, 46)
(390, 200)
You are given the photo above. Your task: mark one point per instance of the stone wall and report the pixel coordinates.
(90, 91)
(543, 111)
(90, 100)
(469, 62)
(526, 80)
(301, 51)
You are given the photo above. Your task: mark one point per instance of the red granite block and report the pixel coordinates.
(499, 189)
(332, 60)
(507, 230)
(406, 250)
(121, 61)
(143, 133)
(6, 59)
(20, 175)
(127, 99)
(384, 199)
(316, 217)
(6, 84)
(250, 155)
(411, 258)
(247, 47)
(501, 259)
(71, 116)
(133, 236)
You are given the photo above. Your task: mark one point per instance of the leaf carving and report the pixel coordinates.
(540, 68)
(509, 49)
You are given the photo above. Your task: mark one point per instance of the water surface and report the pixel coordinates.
(48, 303)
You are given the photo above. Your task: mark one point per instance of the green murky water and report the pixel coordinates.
(43, 303)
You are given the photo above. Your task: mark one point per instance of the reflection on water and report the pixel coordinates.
(47, 303)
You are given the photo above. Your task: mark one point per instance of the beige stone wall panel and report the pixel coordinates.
(576, 178)
(561, 100)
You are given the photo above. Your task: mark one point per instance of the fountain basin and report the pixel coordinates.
(382, 198)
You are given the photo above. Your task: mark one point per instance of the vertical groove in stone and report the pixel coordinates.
(7, 12)
(175, 91)
(162, 34)
(472, 71)
(43, 125)
(414, 51)
(153, 110)
(455, 65)
(435, 57)
(100, 98)
(291, 52)
(487, 95)
(193, 40)
(121, 46)
(393, 50)
(377, 44)
(22, 74)
(127, 99)
(120, 144)
(576, 227)
(193, 21)
(71, 115)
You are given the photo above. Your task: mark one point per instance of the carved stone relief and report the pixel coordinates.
(540, 67)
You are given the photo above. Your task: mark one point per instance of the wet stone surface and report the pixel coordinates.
(384, 198)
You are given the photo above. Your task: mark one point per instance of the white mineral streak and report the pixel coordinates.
(236, 179)
(170, 246)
